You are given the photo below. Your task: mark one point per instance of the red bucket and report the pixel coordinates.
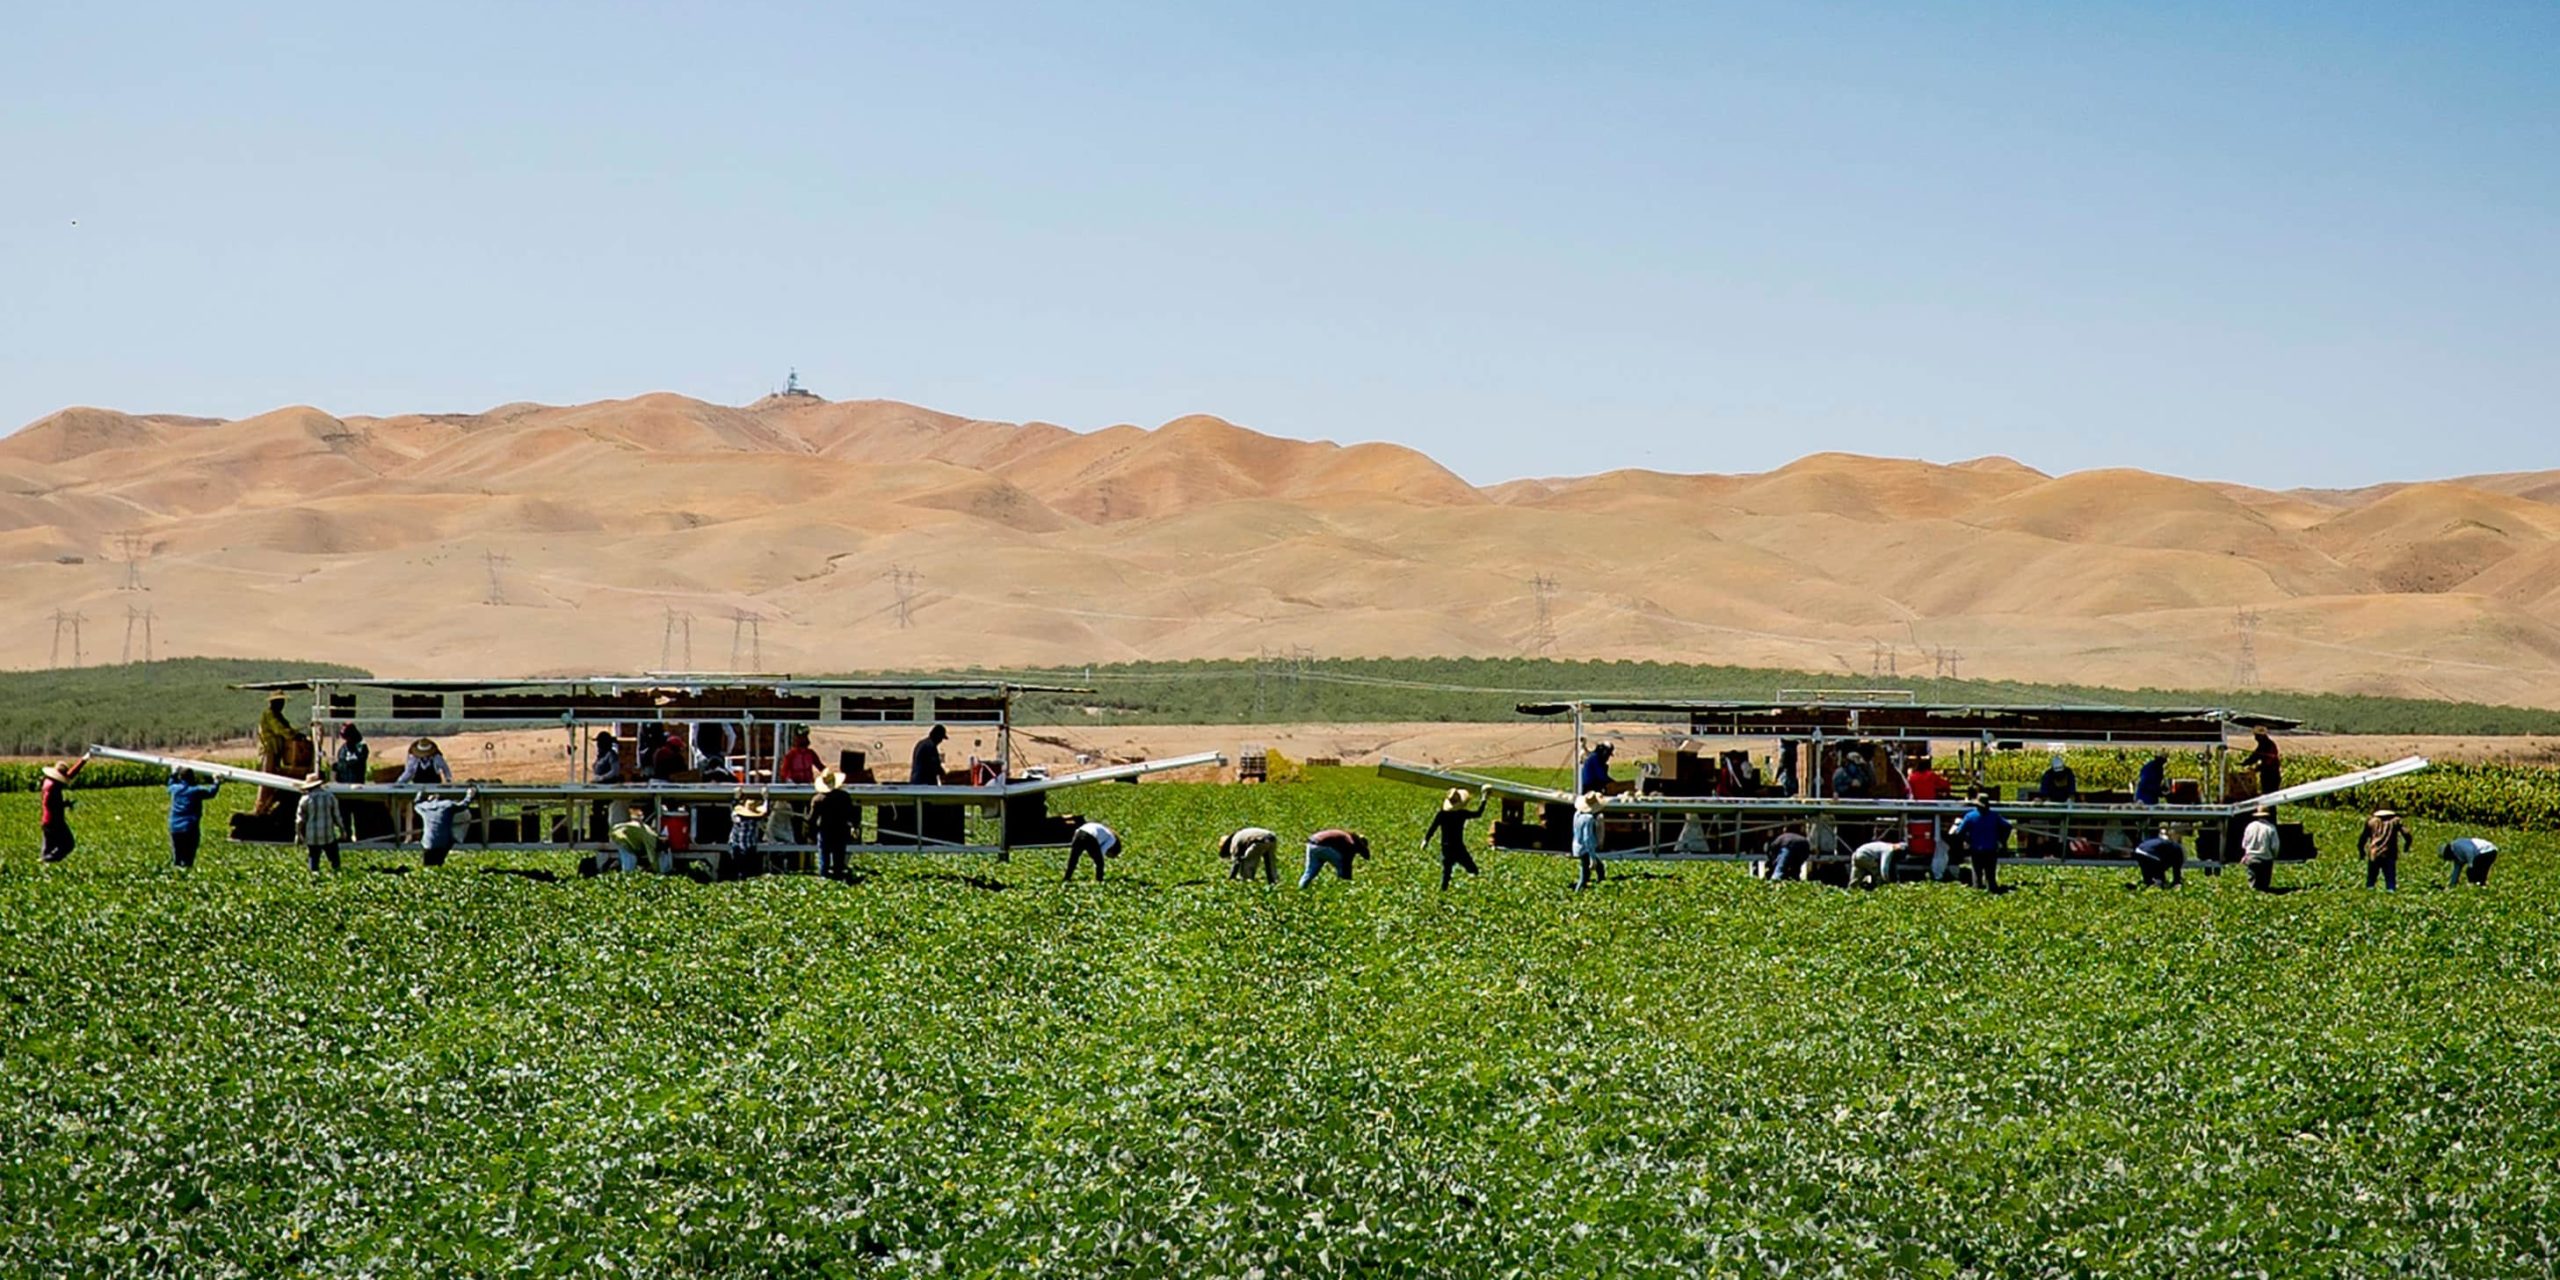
(679, 832)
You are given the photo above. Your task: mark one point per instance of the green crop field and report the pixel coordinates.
(961, 1068)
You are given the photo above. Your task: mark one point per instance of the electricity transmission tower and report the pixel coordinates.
(134, 618)
(130, 550)
(497, 587)
(1543, 638)
(679, 628)
(2244, 664)
(905, 580)
(66, 622)
(1884, 659)
(746, 635)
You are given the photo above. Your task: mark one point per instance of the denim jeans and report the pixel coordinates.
(2385, 869)
(1592, 869)
(182, 847)
(2262, 873)
(1325, 855)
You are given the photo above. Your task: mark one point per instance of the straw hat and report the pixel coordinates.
(59, 771)
(2263, 812)
(2384, 813)
(1456, 799)
(314, 780)
(829, 780)
(425, 747)
(751, 807)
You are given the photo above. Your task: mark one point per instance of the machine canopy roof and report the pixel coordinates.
(1798, 718)
(686, 681)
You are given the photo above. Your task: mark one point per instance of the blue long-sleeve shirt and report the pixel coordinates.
(2148, 784)
(1983, 829)
(1595, 773)
(186, 803)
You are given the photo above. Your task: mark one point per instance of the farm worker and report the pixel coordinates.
(1871, 864)
(315, 821)
(1586, 838)
(354, 758)
(53, 807)
(2268, 761)
(1450, 824)
(1922, 837)
(424, 764)
(186, 815)
(439, 823)
(1786, 766)
(924, 767)
(1333, 847)
(1789, 853)
(711, 754)
(1983, 831)
(2059, 785)
(666, 759)
(746, 836)
(606, 769)
(275, 744)
(1245, 847)
(2162, 859)
(799, 764)
(639, 845)
(834, 816)
(2471, 857)
(1852, 778)
(1594, 775)
(1094, 840)
(2384, 839)
(2260, 842)
(798, 767)
(353, 764)
(2152, 781)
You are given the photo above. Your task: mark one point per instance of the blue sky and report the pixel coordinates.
(2311, 243)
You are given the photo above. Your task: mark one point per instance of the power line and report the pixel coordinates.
(905, 581)
(132, 552)
(137, 617)
(66, 622)
(679, 627)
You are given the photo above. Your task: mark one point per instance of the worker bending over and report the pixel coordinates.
(1335, 848)
(2471, 857)
(1091, 840)
(1245, 847)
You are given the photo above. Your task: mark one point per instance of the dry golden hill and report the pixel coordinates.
(801, 533)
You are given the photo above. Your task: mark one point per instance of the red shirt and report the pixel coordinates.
(800, 764)
(49, 802)
(1927, 784)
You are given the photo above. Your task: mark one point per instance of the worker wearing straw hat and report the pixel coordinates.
(424, 765)
(2260, 842)
(834, 817)
(1450, 824)
(746, 835)
(2385, 839)
(53, 807)
(1586, 839)
(315, 820)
